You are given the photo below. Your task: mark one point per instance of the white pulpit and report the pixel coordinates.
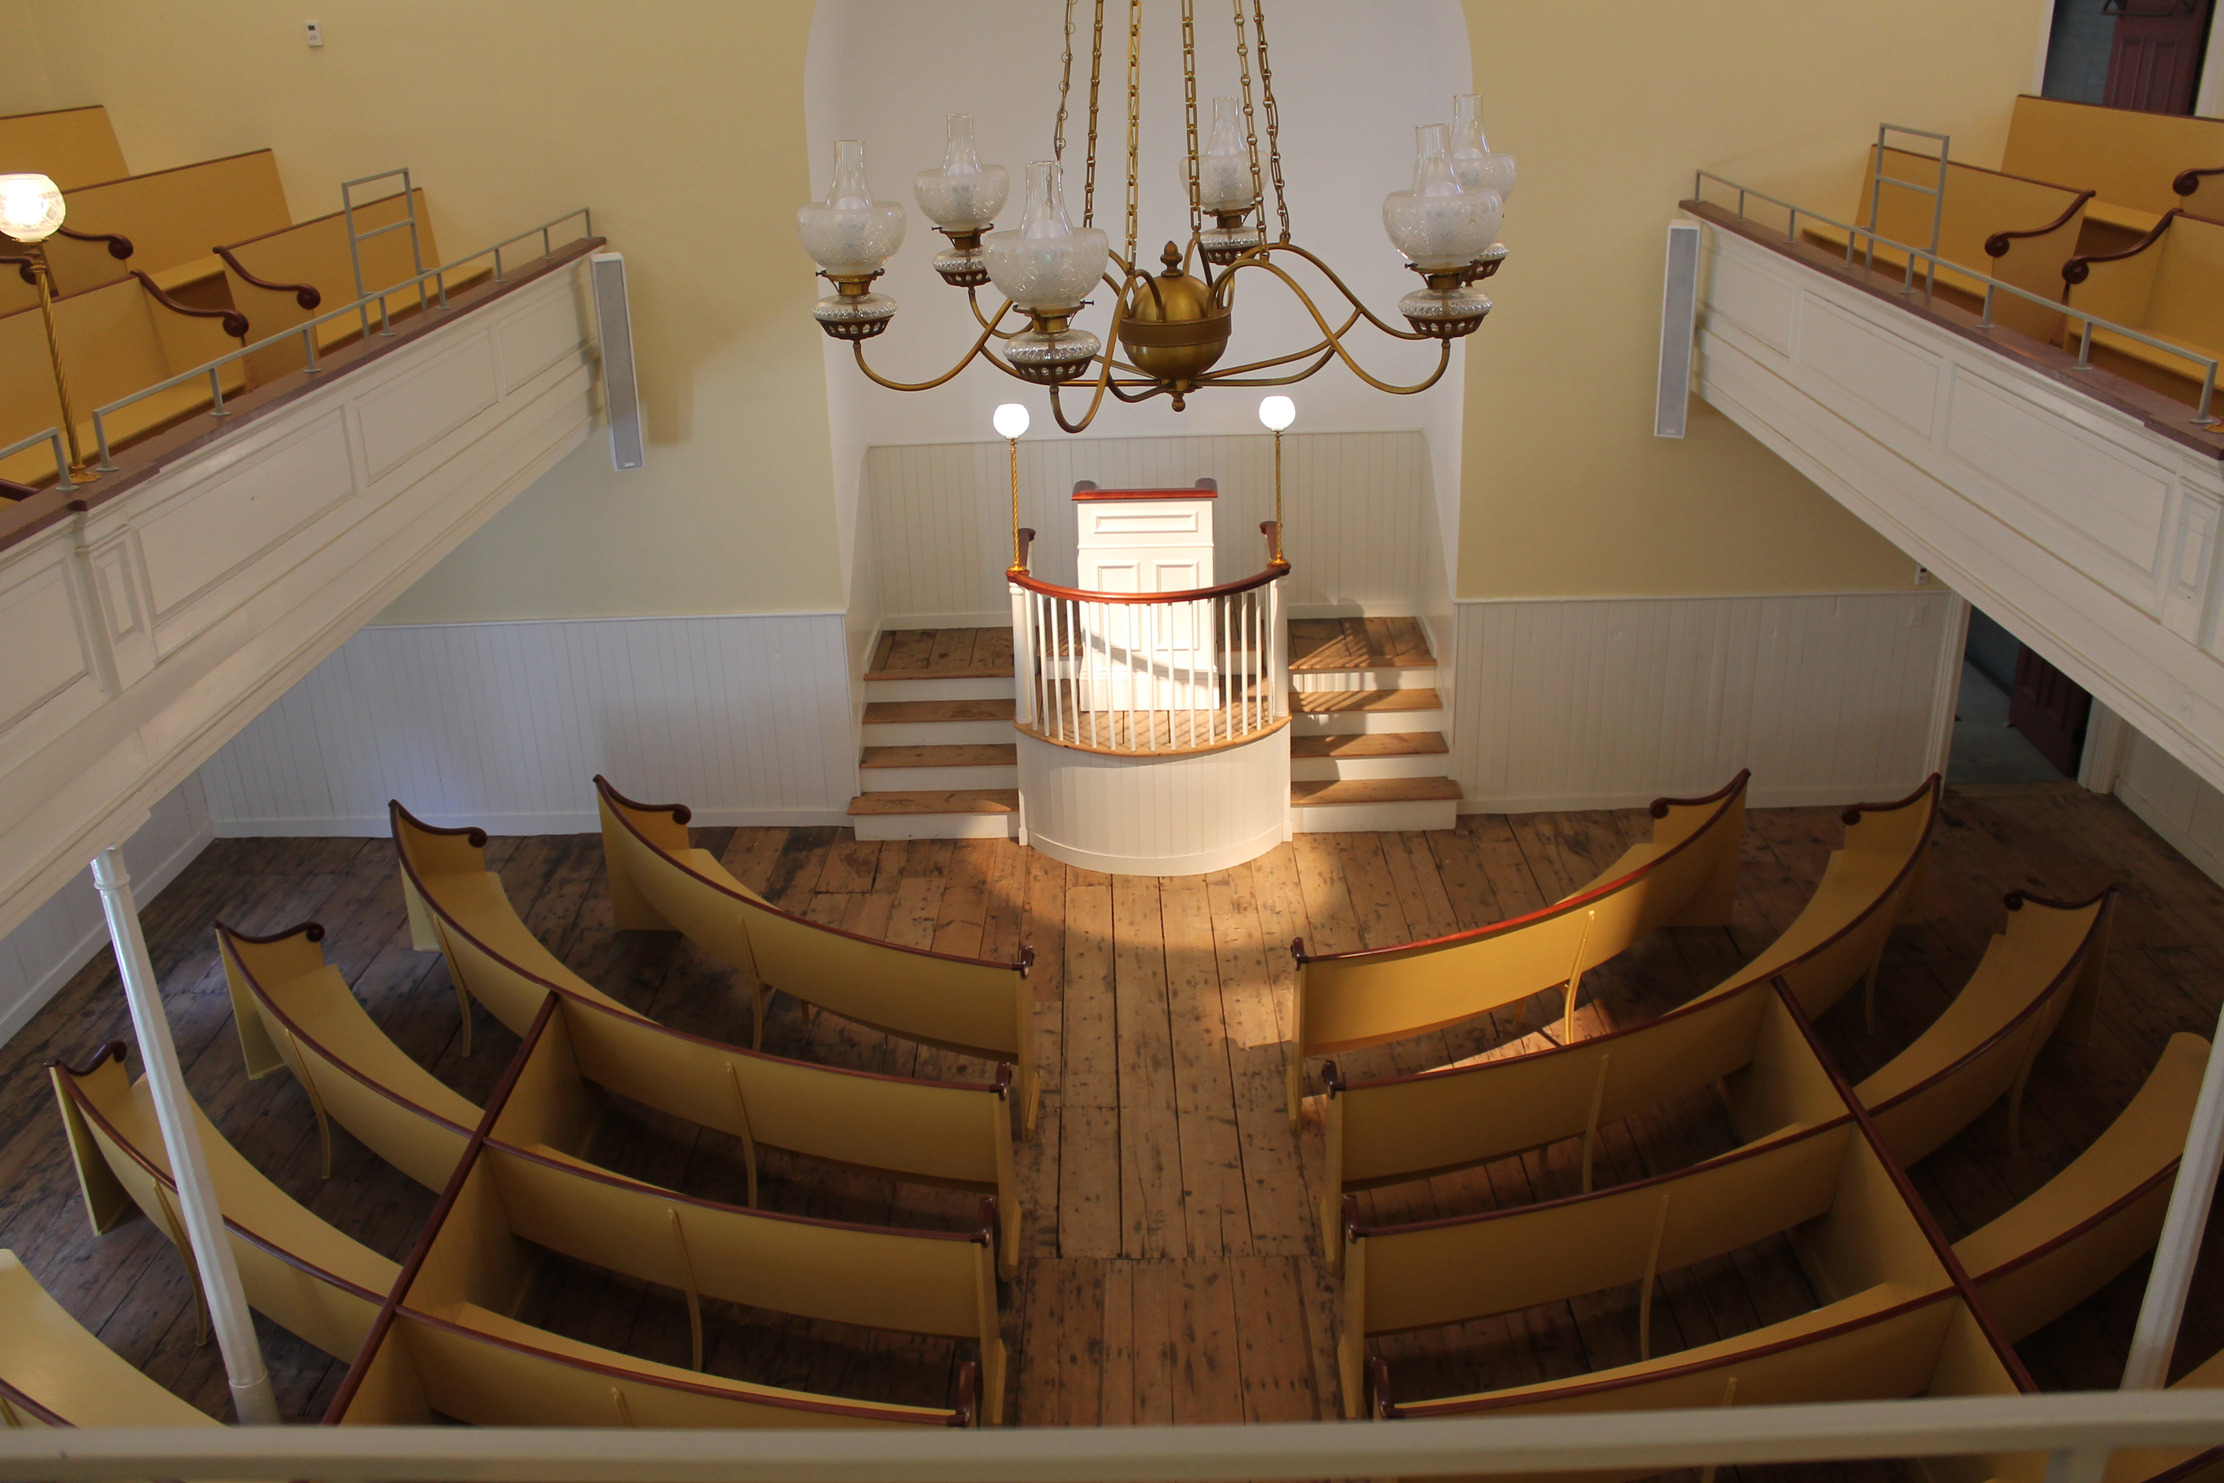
(1146, 656)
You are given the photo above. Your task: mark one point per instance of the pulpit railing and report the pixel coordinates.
(1151, 672)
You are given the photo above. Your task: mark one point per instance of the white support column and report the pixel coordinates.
(204, 1221)
(2106, 736)
(2180, 1247)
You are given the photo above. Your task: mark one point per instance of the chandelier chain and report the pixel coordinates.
(1250, 128)
(1273, 119)
(1096, 74)
(1189, 103)
(1134, 114)
(1065, 86)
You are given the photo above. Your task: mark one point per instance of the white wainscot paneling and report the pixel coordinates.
(1180, 815)
(65, 933)
(140, 635)
(744, 719)
(1610, 703)
(2175, 803)
(2089, 534)
(938, 515)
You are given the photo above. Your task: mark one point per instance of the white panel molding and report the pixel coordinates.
(2087, 534)
(67, 931)
(938, 515)
(203, 593)
(1612, 702)
(747, 720)
(2173, 800)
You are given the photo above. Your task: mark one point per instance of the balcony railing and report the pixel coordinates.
(1151, 672)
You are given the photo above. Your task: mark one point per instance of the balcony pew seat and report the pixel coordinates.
(1683, 876)
(2130, 158)
(2170, 285)
(54, 1372)
(658, 882)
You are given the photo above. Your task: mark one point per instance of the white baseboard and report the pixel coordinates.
(1758, 795)
(1001, 618)
(87, 933)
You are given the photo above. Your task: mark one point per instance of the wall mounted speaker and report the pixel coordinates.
(621, 395)
(1679, 303)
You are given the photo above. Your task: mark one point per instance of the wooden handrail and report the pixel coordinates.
(1998, 243)
(307, 295)
(1195, 594)
(2189, 181)
(119, 247)
(2079, 268)
(235, 323)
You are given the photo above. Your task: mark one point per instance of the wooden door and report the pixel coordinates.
(2051, 710)
(2154, 64)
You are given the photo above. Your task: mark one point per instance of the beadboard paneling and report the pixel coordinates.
(745, 719)
(1608, 703)
(2176, 802)
(63, 935)
(939, 515)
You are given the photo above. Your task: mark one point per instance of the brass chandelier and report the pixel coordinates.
(1170, 328)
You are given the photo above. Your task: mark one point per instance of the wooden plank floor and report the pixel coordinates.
(1172, 1267)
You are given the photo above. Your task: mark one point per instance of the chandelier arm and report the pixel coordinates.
(1273, 123)
(1444, 361)
(980, 348)
(1290, 380)
(1250, 126)
(1258, 258)
(1096, 75)
(972, 297)
(1345, 355)
(1323, 344)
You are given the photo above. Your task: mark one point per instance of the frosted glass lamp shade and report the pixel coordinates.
(1474, 164)
(1277, 412)
(1047, 264)
(849, 234)
(964, 195)
(31, 208)
(1438, 226)
(1224, 169)
(1011, 420)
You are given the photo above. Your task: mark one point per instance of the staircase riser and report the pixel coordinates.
(935, 779)
(935, 826)
(1323, 681)
(1353, 723)
(983, 687)
(936, 733)
(1348, 818)
(1317, 769)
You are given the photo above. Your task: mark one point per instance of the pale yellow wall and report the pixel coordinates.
(25, 87)
(1609, 106)
(679, 122)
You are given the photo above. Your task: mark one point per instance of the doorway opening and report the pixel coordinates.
(2139, 54)
(2018, 719)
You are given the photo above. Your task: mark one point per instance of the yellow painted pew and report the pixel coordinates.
(114, 341)
(173, 220)
(955, 1133)
(71, 146)
(1683, 876)
(2132, 159)
(1412, 1127)
(54, 1372)
(659, 882)
(2170, 285)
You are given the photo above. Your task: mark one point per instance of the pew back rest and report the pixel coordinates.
(296, 1269)
(1978, 204)
(74, 146)
(2093, 1219)
(305, 1018)
(172, 218)
(2186, 303)
(315, 252)
(1347, 1001)
(1450, 1271)
(2130, 158)
(921, 1282)
(52, 1360)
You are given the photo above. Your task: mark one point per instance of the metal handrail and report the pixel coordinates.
(308, 328)
(2077, 1429)
(53, 437)
(2207, 365)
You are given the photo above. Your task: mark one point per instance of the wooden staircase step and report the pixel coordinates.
(942, 654)
(1358, 643)
(979, 754)
(1329, 702)
(1373, 790)
(897, 712)
(1370, 744)
(952, 801)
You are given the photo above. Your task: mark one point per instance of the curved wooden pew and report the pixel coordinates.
(1684, 876)
(1404, 1128)
(295, 1011)
(2045, 968)
(297, 1270)
(54, 1372)
(658, 882)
